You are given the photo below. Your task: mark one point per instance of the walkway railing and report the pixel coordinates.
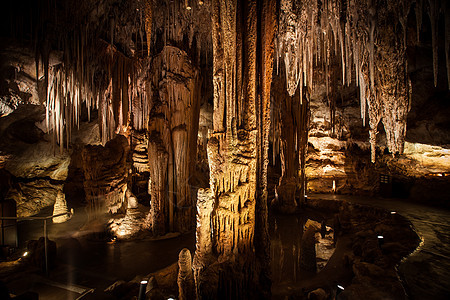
(45, 230)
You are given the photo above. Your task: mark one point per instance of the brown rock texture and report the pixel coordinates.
(60, 207)
(186, 286)
(172, 142)
(237, 154)
(290, 139)
(106, 173)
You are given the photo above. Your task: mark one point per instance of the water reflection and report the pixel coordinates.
(286, 232)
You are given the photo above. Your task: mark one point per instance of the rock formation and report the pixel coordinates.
(186, 287)
(172, 143)
(180, 96)
(289, 142)
(237, 153)
(60, 207)
(358, 34)
(106, 172)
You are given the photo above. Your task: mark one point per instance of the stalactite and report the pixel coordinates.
(447, 39)
(418, 10)
(71, 83)
(348, 32)
(372, 23)
(433, 12)
(148, 23)
(362, 96)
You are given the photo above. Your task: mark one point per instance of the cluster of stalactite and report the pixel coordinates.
(120, 94)
(184, 24)
(92, 73)
(152, 100)
(232, 213)
(106, 172)
(172, 146)
(370, 48)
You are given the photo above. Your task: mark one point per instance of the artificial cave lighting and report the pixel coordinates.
(225, 149)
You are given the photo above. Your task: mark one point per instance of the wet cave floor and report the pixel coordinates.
(85, 263)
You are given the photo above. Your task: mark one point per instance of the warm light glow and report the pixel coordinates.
(188, 7)
(340, 287)
(25, 254)
(393, 212)
(144, 282)
(334, 186)
(380, 237)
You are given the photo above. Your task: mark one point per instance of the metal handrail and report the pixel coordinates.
(34, 218)
(45, 230)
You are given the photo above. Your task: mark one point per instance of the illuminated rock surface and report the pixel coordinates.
(165, 118)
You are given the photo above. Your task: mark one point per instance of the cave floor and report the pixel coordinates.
(426, 272)
(85, 264)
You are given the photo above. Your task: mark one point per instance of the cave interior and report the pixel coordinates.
(225, 149)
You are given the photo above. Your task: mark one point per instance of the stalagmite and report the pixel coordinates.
(186, 286)
(59, 208)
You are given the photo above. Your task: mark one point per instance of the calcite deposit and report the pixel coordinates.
(165, 118)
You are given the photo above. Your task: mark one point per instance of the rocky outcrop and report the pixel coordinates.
(38, 171)
(18, 83)
(139, 144)
(127, 225)
(106, 176)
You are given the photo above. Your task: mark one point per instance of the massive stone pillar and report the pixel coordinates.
(172, 143)
(231, 258)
